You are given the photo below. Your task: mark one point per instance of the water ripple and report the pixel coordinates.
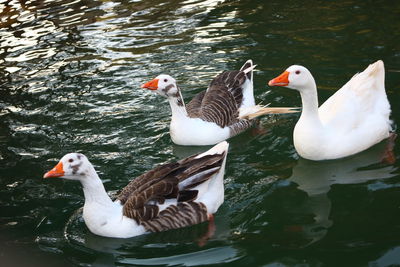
(70, 76)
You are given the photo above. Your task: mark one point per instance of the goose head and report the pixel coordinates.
(295, 77)
(73, 166)
(163, 84)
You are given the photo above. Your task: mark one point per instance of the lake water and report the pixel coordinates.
(70, 76)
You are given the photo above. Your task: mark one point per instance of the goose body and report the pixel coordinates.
(224, 110)
(353, 119)
(173, 195)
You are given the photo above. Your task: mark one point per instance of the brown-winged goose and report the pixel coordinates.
(225, 109)
(171, 196)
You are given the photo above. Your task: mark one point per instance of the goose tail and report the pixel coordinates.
(373, 77)
(248, 68)
(377, 70)
(252, 112)
(219, 148)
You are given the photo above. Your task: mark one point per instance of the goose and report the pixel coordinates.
(225, 109)
(353, 119)
(171, 196)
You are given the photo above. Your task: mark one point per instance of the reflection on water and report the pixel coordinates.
(204, 257)
(389, 258)
(317, 178)
(70, 76)
(184, 246)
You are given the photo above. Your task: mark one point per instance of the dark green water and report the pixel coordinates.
(70, 76)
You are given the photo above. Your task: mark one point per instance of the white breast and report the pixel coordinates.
(194, 131)
(109, 221)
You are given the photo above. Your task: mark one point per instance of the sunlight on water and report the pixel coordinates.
(70, 76)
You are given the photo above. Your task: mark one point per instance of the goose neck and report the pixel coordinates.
(177, 104)
(94, 190)
(309, 99)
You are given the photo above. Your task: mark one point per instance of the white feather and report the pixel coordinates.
(355, 118)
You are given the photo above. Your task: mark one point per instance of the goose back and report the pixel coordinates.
(221, 102)
(174, 184)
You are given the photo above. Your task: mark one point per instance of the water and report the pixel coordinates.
(70, 76)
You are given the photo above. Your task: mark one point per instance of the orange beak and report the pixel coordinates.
(281, 80)
(57, 171)
(152, 85)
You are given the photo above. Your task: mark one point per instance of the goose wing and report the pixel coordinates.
(221, 102)
(173, 184)
(361, 97)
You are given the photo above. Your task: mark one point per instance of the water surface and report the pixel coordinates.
(70, 76)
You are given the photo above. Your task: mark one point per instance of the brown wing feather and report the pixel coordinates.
(239, 126)
(201, 164)
(219, 106)
(233, 82)
(148, 178)
(140, 197)
(181, 215)
(187, 195)
(137, 204)
(220, 103)
(194, 106)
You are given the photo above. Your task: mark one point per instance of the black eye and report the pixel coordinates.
(70, 160)
(297, 72)
(165, 80)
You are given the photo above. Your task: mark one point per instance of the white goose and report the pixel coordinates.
(171, 196)
(225, 109)
(355, 118)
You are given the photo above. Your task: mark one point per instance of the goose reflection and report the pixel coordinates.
(317, 178)
(136, 250)
(182, 246)
(186, 151)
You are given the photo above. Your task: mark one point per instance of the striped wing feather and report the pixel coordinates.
(231, 81)
(170, 181)
(177, 216)
(221, 101)
(147, 179)
(193, 108)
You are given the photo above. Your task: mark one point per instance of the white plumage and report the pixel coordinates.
(355, 118)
